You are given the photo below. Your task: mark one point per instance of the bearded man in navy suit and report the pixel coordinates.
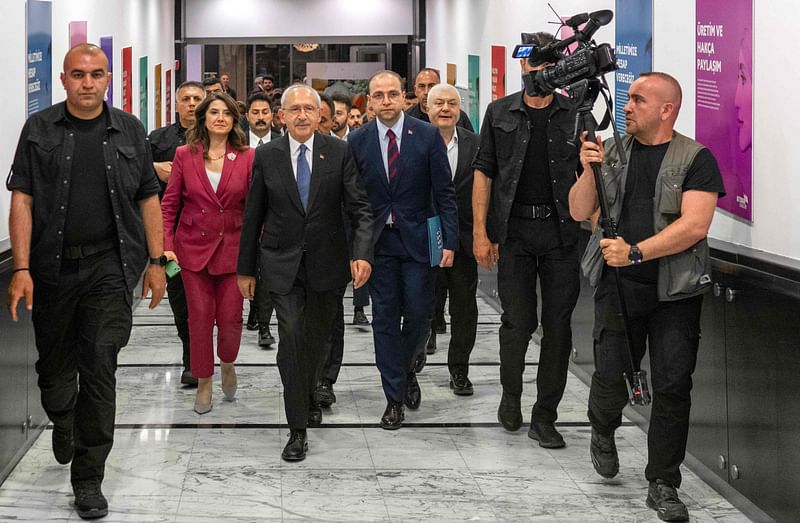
(404, 167)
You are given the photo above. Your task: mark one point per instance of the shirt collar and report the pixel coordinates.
(397, 127)
(60, 116)
(254, 139)
(294, 145)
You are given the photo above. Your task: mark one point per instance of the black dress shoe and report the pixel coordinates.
(187, 378)
(89, 500)
(509, 413)
(265, 337)
(296, 448)
(63, 444)
(430, 347)
(393, 416)
(460, 384)
(413, 393)
(360, 319)
(420, 361)
(546, 434)
(324, 395)
(314, 416)
(252, 317)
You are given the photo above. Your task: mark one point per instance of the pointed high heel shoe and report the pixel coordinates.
(203, 393)
(229, 382)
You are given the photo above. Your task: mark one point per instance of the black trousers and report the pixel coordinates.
(361, 296)
(671, 330)
(80, 325)
(533, 251)
(462, 281)
(334, 349)
(440, 285)
(262, 301)
(180, 311)
(305, 318)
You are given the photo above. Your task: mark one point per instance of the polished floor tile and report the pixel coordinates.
(450, 462)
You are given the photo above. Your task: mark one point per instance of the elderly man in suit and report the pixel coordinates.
(301, 183)
(404, 165)
(444, 107)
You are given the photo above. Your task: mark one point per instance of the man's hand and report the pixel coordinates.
(163, 170)
(361, 271)
(155, 280)
(616, 251)
(247, 286)
(591, 151)
(486, 253)
(21, 287)
(171, 256)
(447, 258)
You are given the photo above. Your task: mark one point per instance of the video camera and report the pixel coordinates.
(587, 62)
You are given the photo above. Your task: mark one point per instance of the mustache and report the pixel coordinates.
(260, 122)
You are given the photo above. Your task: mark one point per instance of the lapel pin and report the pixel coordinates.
(231, 156)
(321, 156)
(410, 132)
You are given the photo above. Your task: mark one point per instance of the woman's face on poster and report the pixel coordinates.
(744, 102)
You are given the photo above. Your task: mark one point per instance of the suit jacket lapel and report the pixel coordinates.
(405, 151)
(227, 169)
(200, 167)
(286, 173)
(463, 160)
(374, 144)
(317, 162)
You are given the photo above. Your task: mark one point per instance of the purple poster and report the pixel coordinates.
(724, 112)
(107, 45)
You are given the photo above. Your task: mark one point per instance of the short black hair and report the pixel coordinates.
(324, 98)
(263, 97)
(344, 99)
(268, 77)
(211, 81)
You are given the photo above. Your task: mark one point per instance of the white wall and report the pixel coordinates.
(288, 19)
(457, 28)
(146, 25)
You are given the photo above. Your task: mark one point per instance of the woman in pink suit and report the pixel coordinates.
(205, 196)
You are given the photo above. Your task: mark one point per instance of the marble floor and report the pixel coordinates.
(451, 461)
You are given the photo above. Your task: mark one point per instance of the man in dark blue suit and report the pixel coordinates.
(403, 162)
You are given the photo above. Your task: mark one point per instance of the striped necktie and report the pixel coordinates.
(392, 155)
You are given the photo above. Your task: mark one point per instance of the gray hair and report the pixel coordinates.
(438, 89)
(296, 87)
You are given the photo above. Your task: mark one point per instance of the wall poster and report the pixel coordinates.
(157, 82)
(107, 45)
(143, 92)
(40, 55)
(724, 100)
(127, 79)
(634, 50)
(498, 71)
(168, 95)
(473, 85)
(77, 33)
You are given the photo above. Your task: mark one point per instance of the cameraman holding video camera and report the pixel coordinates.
(525, 166)
(663, 201)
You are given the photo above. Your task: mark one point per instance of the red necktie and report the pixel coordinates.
(392, 154)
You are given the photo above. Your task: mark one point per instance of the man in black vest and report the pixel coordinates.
(664, 203)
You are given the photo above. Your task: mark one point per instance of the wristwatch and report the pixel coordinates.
(635, 255)
(161, 260)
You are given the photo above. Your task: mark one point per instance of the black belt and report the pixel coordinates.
(76, 252)
(533, 212)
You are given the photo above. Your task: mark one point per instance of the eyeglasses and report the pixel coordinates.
(295, 110)
(381, 96)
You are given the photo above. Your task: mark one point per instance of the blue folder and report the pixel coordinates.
(435, 240)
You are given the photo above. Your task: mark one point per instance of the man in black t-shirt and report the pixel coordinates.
(84, 219)
(525, 165)
(664, 202)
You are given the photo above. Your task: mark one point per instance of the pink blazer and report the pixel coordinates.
(209, 222)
